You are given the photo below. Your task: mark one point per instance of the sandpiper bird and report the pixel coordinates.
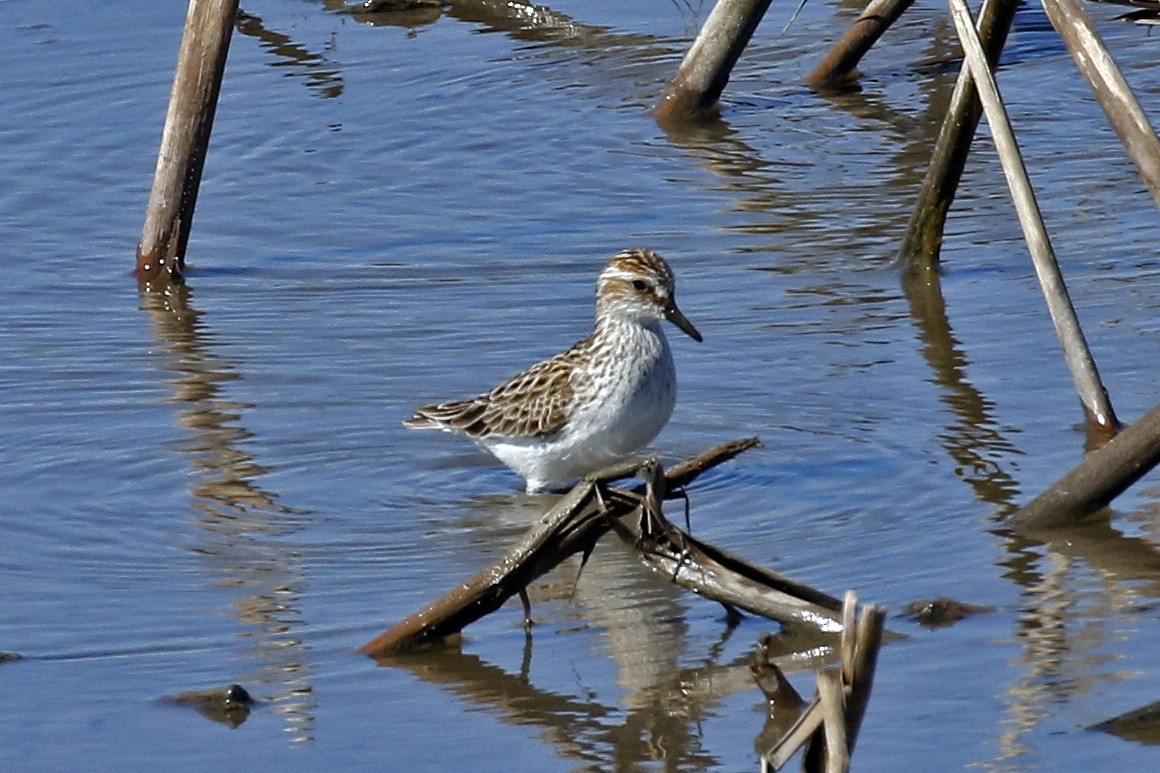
(592, 405)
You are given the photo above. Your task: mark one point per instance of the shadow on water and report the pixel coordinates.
(244, 527)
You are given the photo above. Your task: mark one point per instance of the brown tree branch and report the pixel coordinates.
(1100, 477)
(573, 525)
(838, 65)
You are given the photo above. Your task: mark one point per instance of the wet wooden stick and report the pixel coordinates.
(489, 588)
(201, 60)
(923, 239)
(831, 693)
(837, 66)
(1079, 359)
(807, 724)
(694, 90)
(867, 643)
(1114, 94)
(1100, 477)
(717, 574)
(829, 726)
(571, 526)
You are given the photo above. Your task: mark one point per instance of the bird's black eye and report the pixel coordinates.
(640, 285)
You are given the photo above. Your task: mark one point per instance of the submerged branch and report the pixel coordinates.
(580, 519)
(693, 92)
(1100, 477)
(924, 234)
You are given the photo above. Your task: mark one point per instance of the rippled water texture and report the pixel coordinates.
(214, 487)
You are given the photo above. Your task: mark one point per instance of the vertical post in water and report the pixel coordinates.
(188, 123)
(837, 65)
(1078, 33)
(705, 70)
(923, 239)
(1079, 359)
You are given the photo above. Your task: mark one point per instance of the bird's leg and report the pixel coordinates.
(654, 491)
(527, 609)
(688, 522)
(583, 562)
(598, 492)
(733, 616)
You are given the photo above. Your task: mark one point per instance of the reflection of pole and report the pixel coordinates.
(188, 123)
(843, 57)
(265, 573)
(1078, 33)
(973, 438)
(924, 233)
(705, 70)
(1075, 349)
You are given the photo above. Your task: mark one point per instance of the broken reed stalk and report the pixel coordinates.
(1075, 349)
(572, 526)
(837, 66)
(201, 60)
(829, 725)
(1101, 476)
(1114, 94)
(718, 574)
(694, 90)
(924, 233)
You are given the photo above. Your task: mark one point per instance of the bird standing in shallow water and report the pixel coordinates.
(593, 404)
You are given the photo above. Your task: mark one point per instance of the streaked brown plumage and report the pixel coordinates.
(598, 401)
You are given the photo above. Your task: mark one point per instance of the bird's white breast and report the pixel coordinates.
(623, 397)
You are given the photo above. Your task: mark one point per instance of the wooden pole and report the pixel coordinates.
(837, 66)
(923, 239)
(1075, 350)
(694, 90)
(197, 79)
(1114, 94)
(1063, 315)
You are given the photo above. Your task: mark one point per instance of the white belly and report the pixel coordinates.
(627, 407)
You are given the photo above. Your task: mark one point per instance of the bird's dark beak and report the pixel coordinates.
(674, 315)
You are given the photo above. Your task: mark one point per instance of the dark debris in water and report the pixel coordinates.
(1141, 725)
(8, 657)
(229, 705)
(942, 611)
